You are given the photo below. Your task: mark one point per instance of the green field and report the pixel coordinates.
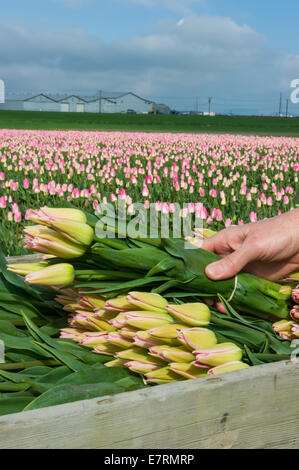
(149, 123)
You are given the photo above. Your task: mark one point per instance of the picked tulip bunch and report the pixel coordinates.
(289, 329)
(59, 233)
(163, 342)
(118, 265)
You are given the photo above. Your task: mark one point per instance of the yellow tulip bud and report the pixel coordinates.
(188, 371)
(72, 333)
(107, 349)
(115, 363)
(141, 367)
(119, 304)
(197, 338)
(148, 301)
(26, 268)
(40, 216)
(163, 376)
(229, 367)
(169, 354)
(144, 340)
(146, 320)
(283, 326)
(194, 314)
(81, 234)
(167, 332)
(119, 340)
(128, 331)
(52, 243)
(94, 340)
(218, 355)
(57, 275)
(138, 354)
(92, 301)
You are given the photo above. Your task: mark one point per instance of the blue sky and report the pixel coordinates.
(242, 53)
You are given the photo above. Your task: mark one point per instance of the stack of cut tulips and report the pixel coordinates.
(163, 342)
(169, 331)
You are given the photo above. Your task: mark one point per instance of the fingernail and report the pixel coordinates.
(215, 271)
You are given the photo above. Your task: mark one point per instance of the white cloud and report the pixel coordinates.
(203, 55)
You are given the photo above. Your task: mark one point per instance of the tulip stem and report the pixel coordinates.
(25, 365)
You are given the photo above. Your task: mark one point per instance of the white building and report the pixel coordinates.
(102, 103)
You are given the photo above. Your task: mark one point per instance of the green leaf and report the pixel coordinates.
(69, 393)
(252, 357)
(131, 383)
(8, 328)
(5, 315)
(36, 371)
(13, 387)
(123, 286)
(21, 343)
(64, 357)
(13, 405)
(94, 374)
(69, 347)
(21, 356)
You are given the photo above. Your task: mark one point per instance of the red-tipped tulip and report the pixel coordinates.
(218, 355)
(169, 354)
(146, 320)
(141, 367)
(148, 301)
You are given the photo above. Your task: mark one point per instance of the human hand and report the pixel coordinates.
(268, 249)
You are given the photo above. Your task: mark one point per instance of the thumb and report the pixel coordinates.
(229, 266)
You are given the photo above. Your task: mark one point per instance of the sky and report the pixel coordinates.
(242, 54)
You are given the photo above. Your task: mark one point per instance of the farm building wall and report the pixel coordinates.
(125, 102)
(92, 107)
(12, 105)
(41, 106)
(74, 104)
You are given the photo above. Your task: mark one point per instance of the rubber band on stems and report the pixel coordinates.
(234, 291)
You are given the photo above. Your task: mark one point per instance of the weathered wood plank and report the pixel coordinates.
(25, 259)
(253, 408)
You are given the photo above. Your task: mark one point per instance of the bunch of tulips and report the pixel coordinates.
(163, 342)
(289, 329)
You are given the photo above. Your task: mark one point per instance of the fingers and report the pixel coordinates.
(219, 243)
(230, 265)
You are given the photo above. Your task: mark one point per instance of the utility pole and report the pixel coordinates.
(280, 105)
(100, 101)
(210, 101)
(196, 104)
(287, 108)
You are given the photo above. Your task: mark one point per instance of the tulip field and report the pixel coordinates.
(97, 316)
(224, 179)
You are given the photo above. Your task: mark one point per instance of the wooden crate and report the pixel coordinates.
(252, 408)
